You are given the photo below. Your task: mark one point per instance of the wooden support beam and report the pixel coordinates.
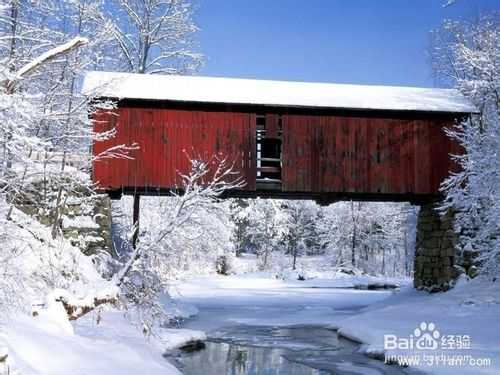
(136, 215)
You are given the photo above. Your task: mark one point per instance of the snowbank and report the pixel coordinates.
(38, 347)
(45, 272)
(316, 270)
(49, 345)
(178, 337)
(42, 264)
(471, 310)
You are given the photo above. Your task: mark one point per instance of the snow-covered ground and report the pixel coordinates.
(466, 319)
(48, 344)
(257, 300)
(316, 270)
(106, 341)
(113, 345)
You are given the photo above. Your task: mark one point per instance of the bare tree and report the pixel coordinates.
(267, 228)
(143, 278)
(301, 235)
(375, 233)
(42, 69)
(153, 36)
(354, 233)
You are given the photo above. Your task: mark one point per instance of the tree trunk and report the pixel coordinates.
(383, 261)
(136, 216)
(353, 250)
(407, 270)
(265, 258)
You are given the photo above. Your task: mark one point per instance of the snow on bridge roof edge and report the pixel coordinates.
(273, 93)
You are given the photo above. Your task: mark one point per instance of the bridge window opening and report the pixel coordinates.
(269, 158)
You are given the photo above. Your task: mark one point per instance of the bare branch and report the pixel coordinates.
(43, 59)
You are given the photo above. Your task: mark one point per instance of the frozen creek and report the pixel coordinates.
(298, 350)
(259, 327)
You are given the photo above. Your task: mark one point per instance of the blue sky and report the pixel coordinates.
(345, 41)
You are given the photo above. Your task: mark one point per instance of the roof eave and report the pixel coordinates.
(318, 107)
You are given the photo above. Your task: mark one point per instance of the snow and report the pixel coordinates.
(105, 341)
(53, 317)
(49, 55)
(257, 299)
(41, 274)
(275, 93)
(79, 222)
(472, 308)
(177, 309)
(178, 337)
(47, 343)
(100, 342)
(317, 271)
(112, 347)
(38, 172)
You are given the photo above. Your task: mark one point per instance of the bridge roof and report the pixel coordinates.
(273, 93)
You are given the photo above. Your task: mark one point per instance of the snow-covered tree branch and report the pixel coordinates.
(466, 55)
(44, 58)
(153, 36)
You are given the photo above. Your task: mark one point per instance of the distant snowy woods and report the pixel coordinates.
(375, 238)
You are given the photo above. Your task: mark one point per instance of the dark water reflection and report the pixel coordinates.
(222, 358)
(248, 350)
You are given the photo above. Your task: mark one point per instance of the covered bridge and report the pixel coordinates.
(288, 140)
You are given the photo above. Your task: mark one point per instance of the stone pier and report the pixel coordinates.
(435, 250)
(85, 218)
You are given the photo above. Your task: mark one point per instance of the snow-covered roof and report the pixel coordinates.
(273, 93)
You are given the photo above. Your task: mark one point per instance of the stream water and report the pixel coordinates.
(298, 350)
(260, 326)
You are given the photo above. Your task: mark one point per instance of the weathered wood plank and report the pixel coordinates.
(321, 154)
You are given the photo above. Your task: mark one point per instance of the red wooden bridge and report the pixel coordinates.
(287, 139)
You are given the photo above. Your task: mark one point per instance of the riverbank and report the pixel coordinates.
(105, 341)
(273, 323)
(463, 325)
(109, 344)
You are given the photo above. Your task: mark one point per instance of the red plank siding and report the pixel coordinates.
(166, 138)
(364, 155)
(321, 154)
